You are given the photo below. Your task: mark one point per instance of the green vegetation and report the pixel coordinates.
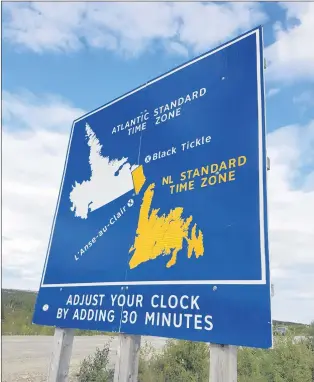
(311, 336)
(180, 361)
(293, 327)
(289, 361)
(17, 312)
(17, 308)
(96, 368)
(185, 361)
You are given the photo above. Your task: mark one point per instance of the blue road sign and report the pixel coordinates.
(161, 225)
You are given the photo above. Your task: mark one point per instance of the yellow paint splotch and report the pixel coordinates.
(161, 235)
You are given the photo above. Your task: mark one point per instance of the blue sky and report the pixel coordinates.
(61, 60)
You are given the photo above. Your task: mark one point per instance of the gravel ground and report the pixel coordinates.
(26, 358)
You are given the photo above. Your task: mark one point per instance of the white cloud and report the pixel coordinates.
(291, 220)
(25, 110)
(44, 26)
(304, 103)
(205, 25)
(35, 135)
(176, 47)
(305, 100)
(291, 57)
(272, 92)
(129, 28)
(32, 168)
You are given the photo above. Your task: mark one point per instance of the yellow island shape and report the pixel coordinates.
(161, 235)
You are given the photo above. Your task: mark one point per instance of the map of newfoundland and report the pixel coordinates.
(161, 235)
(109, 180)
(156, 234)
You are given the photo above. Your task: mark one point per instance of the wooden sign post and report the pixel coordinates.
(223, 363)
(128, 354)
(61, 355)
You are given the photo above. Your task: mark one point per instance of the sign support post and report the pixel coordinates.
(61, 355)
(223, 363)
(128, 352)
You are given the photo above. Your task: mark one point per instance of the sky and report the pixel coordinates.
(61, 60)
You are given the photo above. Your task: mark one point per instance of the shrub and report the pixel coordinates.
(179, 361)
(311, 336)
(287, 362)
(96, 368)
(186, 361)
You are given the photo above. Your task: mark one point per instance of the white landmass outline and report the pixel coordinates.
(109, 180)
